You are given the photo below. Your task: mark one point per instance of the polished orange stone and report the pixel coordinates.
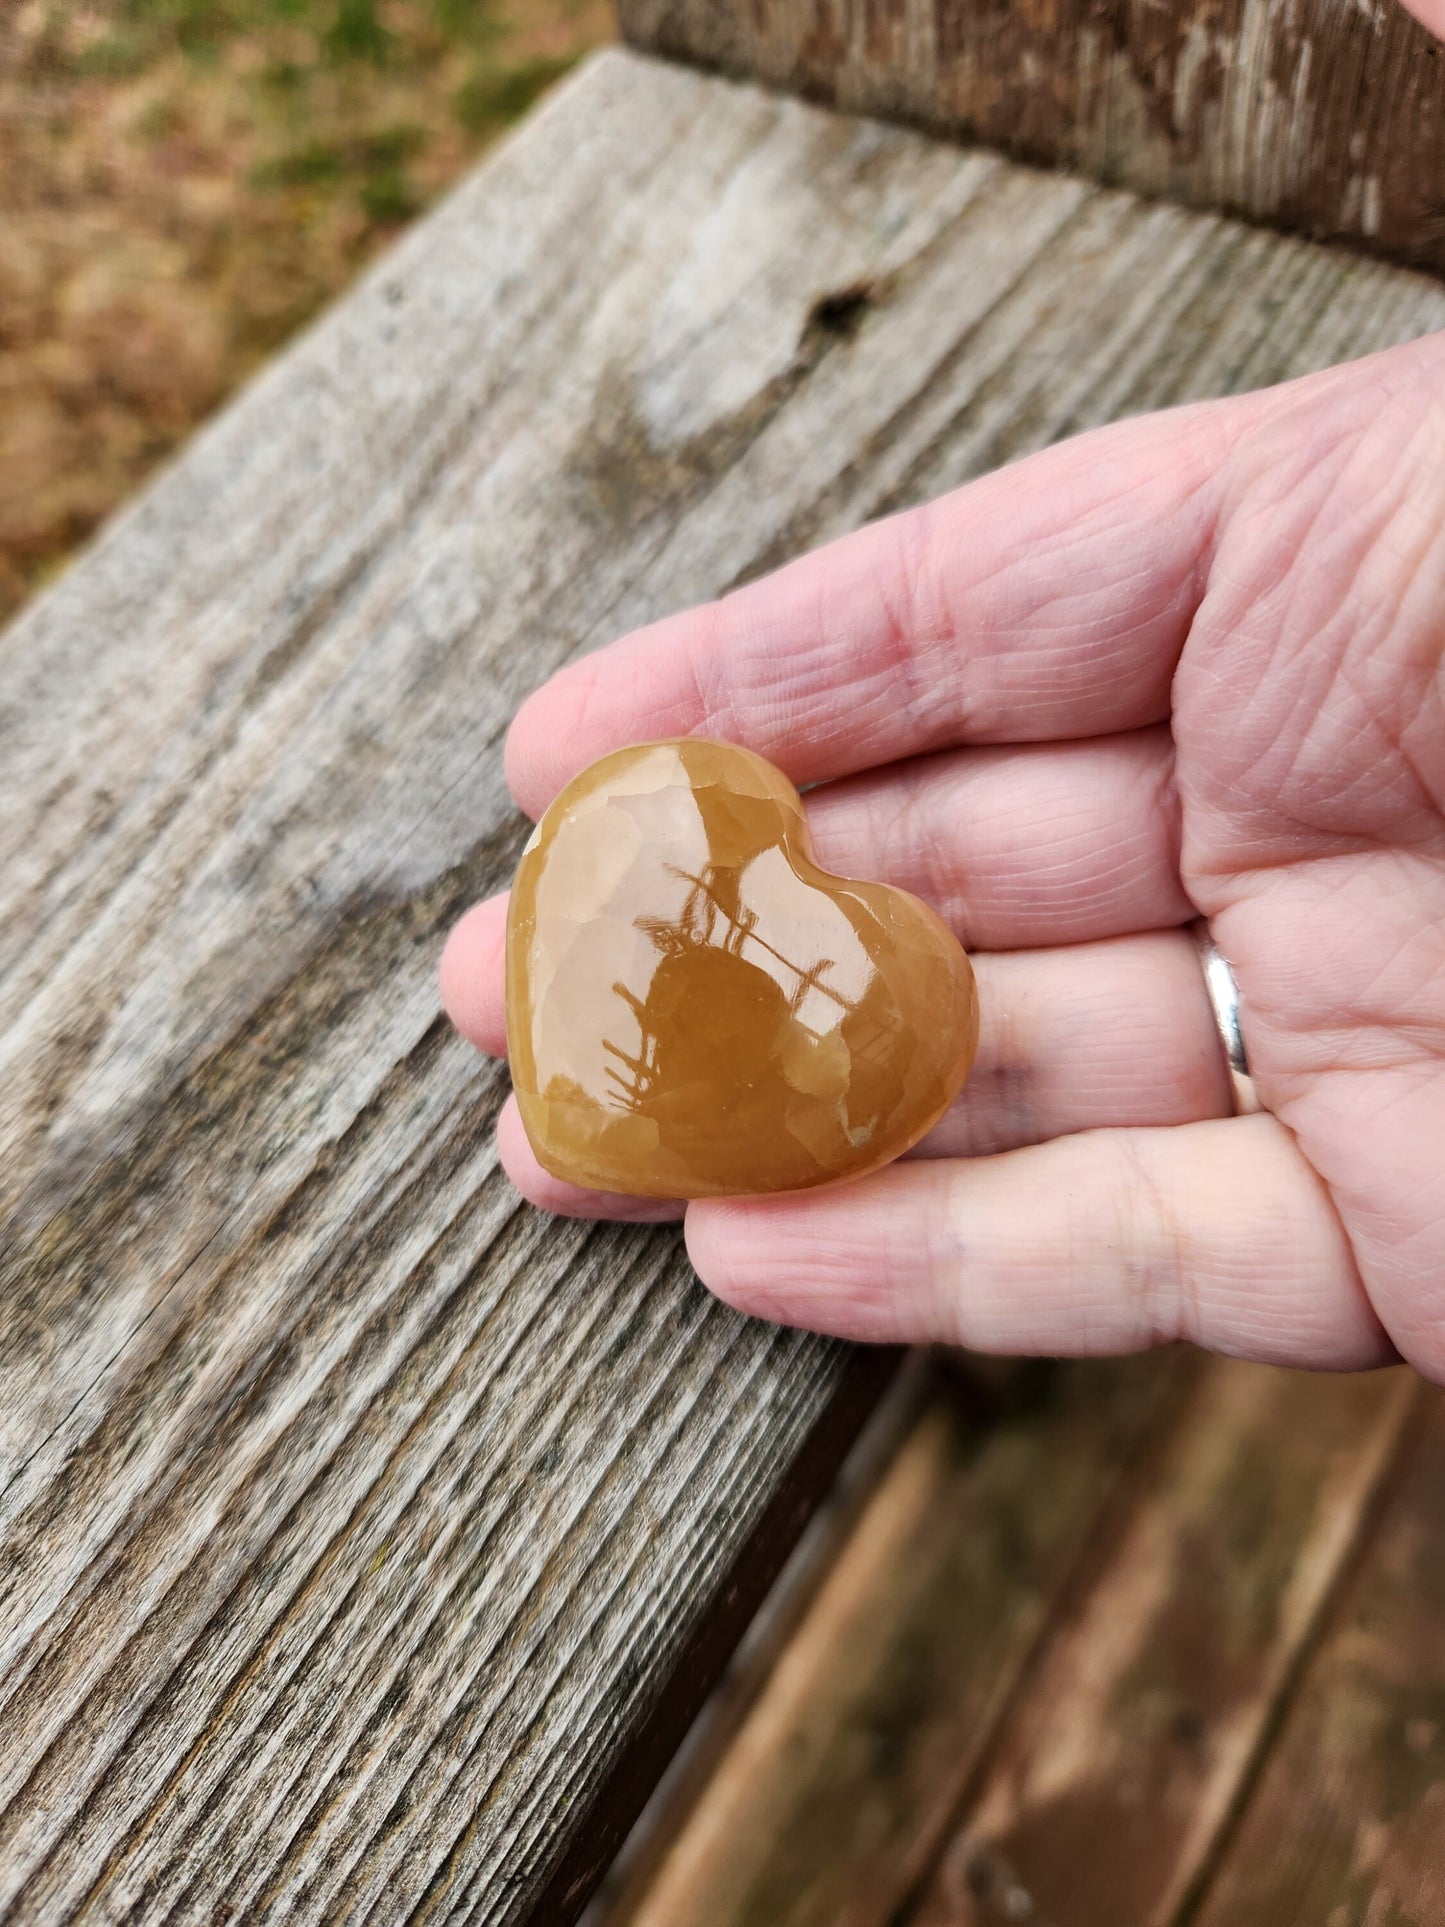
(695, 1009)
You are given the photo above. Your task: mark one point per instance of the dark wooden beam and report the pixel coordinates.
(1326, 118)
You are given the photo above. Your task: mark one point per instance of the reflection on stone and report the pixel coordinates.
(694, 1009)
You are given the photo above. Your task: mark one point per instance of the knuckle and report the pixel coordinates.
(1155, 1250)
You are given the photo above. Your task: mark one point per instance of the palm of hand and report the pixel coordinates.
(1309, 720)
(1193, 663)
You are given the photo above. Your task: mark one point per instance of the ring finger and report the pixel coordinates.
(1054, 843)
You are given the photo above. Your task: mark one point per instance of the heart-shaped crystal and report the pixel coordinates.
(695, 1009)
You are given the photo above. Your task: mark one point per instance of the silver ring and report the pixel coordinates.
(1224, 1000)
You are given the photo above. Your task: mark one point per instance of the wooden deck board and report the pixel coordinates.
(1346, 1825)
(1039, 1679)
(362, 1537)
(1120, 1770)
(840, 1785)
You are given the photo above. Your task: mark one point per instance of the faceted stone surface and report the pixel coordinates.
(695, 1009)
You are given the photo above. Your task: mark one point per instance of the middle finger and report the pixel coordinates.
(1026, 845)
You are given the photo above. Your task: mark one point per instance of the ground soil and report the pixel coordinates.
(184, 182)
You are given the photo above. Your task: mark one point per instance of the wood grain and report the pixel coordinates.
(880, 1708)
(1326, 117)
(1345, 1828)
(1041, 1673)
(356, 1526)
(1120, 1769)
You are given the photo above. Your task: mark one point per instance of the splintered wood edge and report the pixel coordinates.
(702, 1657)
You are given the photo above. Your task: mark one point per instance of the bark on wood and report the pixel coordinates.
(1326, 117)
(354, 1522)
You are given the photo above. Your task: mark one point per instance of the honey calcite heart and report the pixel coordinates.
(695, 1009)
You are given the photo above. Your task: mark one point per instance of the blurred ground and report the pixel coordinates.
(183, 182)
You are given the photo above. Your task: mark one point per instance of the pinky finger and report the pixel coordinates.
(1108, 1241)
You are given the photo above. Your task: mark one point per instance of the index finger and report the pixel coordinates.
(1050, 599)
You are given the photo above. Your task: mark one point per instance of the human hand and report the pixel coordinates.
(1191, 664)
(1430, 13)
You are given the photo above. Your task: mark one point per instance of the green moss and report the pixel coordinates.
(494, 96)
(389, 197)
(116, 56)
(375, 161)
(311, 163)
(470, 20)
(285, 79)
(357, 34)
(389, 147)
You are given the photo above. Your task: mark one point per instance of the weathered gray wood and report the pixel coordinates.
(354, 1522)
(1326, 117)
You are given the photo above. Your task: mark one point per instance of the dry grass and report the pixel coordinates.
(183, 182)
